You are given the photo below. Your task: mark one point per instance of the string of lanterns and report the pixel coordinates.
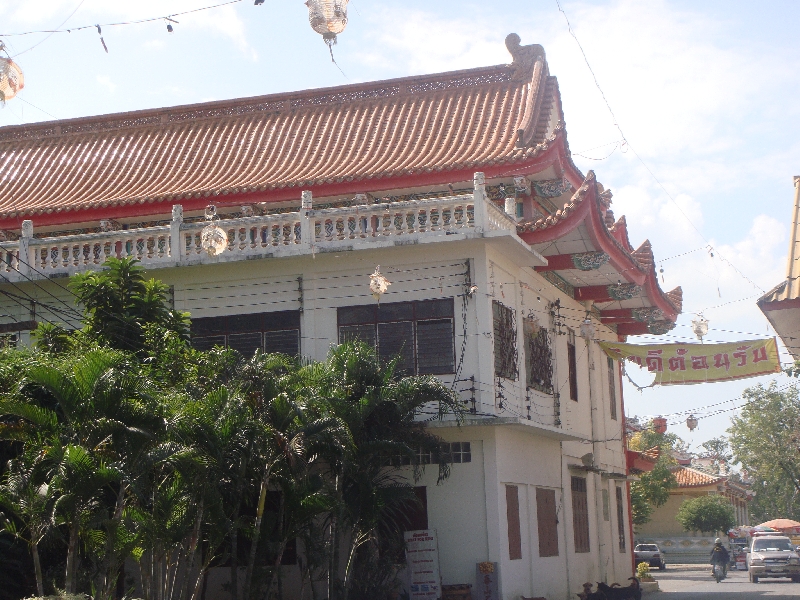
(326, 17)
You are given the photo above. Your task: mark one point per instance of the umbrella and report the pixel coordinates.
(784, 525)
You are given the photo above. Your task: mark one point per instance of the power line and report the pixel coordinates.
(647, 168)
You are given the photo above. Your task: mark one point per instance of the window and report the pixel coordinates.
(620, 520)
(420, 333)
(606, 511)
(505, 341)
(573, 365)
(538, 358)
(454, 452)
(270, 332)
(460, 452)
(580, 514)
(547, 521)
(512, 516)
(612, 387)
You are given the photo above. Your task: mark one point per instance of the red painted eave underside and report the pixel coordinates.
(588, 212)
(637, 462)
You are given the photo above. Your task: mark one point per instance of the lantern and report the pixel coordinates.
(700, 326)
(213, 238)
(328, 18)
(587, 329)
(660, 425)
(11, 78)
(691, 422)
(378, 284)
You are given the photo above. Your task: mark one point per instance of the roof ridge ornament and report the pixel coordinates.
(524, 57)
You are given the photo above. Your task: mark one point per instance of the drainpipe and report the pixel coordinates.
(627, 472)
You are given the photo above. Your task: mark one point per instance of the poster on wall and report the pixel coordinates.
(422, 558)
(488, 577)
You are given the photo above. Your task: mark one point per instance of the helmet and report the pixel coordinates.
(717, 541)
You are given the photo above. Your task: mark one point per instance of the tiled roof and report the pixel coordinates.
(688, 477)
(375, 131)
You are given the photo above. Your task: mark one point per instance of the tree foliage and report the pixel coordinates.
(764, 439)
(706, 514)
(653, 488)
(126, 443)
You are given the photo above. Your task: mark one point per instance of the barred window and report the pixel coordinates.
(612, 387)
(538, 357)
(620, 520)
(573, 365)
(505, 341)
(271, 332)
(580, 514)
(421, 334)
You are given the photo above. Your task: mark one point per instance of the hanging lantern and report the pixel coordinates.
(587, 329)
(691, 422)
(11, 78)
(328, 18)
(213, 238)
(700, 326)
(378, 284)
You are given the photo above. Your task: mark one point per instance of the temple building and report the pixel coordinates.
(781, 305)
(507, 267)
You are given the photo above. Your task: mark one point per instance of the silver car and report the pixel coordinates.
(650, 554)
(773, 556)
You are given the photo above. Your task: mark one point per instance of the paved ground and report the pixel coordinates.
(692, 582)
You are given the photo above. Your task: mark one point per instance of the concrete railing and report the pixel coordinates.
(303, 231)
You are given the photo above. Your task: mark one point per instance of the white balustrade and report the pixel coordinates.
(396, 219)
(296, 232)
(248, 235)
(77, 252)
(9, 257)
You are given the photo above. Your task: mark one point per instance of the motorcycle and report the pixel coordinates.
(719, 572)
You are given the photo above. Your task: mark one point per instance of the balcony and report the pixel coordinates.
(305, 232)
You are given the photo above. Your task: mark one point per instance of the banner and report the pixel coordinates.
(677, 364)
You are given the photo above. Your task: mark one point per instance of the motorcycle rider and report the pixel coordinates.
(720, 555)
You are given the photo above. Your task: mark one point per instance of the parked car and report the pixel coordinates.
(773, 556)
(650, 554)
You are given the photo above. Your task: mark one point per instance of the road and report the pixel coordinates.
(678, 583)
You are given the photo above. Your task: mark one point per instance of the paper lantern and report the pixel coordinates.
(328, 18)
(378, 284)
(213, 238)
(11, 79)
(700, 327)
(691, 422)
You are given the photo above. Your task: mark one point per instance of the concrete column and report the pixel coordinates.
(479, 199)
(306, 232)
(24, 264)
(175, 243)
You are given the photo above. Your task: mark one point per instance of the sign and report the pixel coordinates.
(680, 364)
(422, 558)
(488, 577)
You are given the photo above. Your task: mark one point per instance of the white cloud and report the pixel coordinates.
(106, 83)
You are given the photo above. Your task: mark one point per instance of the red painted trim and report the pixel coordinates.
(557, 262)
(598, 293)
(373, 186)
(779, 304)
(632, 329)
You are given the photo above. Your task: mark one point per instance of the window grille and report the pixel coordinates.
(9, 340)
(505, 341)
(620, 520)
(538, 357)
(573, 365)
(271, 332)
(580, 514)
(421, 334)
(612, 387)
(458, 452)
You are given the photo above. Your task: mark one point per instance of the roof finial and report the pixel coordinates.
(524, 56)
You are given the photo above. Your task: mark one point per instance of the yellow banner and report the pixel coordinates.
(676, 364)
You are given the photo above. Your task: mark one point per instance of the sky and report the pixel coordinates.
(703, 93)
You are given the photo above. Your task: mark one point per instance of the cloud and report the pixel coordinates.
(106, 83)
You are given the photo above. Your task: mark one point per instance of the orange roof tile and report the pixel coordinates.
(688, 477)
(374, 131)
